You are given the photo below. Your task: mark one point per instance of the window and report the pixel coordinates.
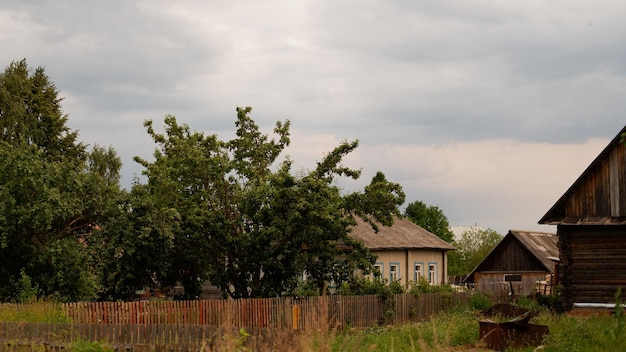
(394, 271)
(432, 273)
(379, 267)
(417, 272)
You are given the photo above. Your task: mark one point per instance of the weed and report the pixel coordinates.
(90, 346)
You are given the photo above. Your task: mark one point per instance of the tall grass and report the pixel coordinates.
(33, 312)
(442, 332)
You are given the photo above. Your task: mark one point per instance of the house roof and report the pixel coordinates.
(403, 234)
(541, 245)
(598, 196)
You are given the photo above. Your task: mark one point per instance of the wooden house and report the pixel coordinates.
(591, 227)
(517, 264)
(405, 251)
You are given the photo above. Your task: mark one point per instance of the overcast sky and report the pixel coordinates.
(488, 109)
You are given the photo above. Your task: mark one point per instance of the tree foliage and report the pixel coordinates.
(51, 199)
(430, 218)
(473, 246)
(253, 230)
(31, 114)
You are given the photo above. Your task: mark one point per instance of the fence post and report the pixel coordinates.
(295, 316)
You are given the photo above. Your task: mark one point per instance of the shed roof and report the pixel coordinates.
(542, 245)
(598, 196)
(403, 234)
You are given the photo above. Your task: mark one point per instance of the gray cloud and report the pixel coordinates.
(424, 86)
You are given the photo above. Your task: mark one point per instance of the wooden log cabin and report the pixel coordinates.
(591, 229)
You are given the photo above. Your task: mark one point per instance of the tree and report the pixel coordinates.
(31, 114)
(251, 230)
(430, 218)
(473, 246)
(133, 247)
(53, 194)
(48, 211)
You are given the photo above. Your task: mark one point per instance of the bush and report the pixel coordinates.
(479, 301)
(423, 286)
(364, 286)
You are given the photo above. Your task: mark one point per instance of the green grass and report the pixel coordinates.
(458, 331)
(34, 312)
(441, 333)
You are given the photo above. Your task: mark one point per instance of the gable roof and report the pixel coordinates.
(598, 196)
(541, 245)
(403, 234)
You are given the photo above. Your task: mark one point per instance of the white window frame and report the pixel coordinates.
(394, 274)
(418, 271)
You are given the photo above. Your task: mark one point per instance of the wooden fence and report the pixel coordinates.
(194, 322)
(311, 313)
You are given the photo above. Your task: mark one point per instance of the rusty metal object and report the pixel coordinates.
(516, 332)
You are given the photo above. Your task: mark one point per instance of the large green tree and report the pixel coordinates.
(31, 113)
(131, 250)
(49, 211)
(471, 248)
(53, 194)
(430, 218)
(249, 225)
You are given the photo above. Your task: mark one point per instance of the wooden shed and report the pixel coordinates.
(591, 227)
(517, 264)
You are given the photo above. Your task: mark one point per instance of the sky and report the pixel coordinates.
(489, 110)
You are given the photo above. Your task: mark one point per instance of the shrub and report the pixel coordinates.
(423, 286)
(479, 301)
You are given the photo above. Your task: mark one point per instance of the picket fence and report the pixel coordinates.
(195, 322)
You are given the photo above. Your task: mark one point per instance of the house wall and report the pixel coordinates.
(492, 282)
(406, 261)
(593, 263)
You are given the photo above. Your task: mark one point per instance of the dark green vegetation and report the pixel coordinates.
(52, 193)
(430, 218)
(223, 211)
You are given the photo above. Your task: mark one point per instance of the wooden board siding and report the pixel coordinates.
(598, 196)
(601, 194)
(593, 263)
(510, 255)
(493, 282)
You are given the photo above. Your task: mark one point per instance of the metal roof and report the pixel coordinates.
(543, 245)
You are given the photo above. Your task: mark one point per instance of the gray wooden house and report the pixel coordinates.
(517, 264)
(591, 227)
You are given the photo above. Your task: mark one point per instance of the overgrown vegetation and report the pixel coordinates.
(36, 311)
(455, 330)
